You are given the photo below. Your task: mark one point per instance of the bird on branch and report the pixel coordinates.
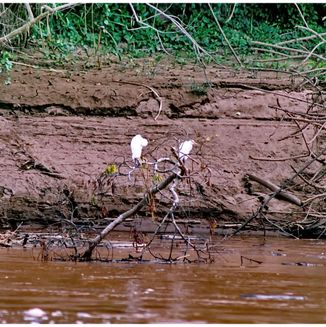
(137, 144)
(185, 149)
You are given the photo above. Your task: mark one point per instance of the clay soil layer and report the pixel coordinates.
(60, 129)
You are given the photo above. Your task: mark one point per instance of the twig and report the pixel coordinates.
(282, 95)
(319, 35)
(322, 195)
(302, 17)
(278, 159)
(225, 38)
(318, 132)
(287, 49)
(311, 53)
(198, 49)
(232, 12)
(280, 228)
(38, 67)
(305, 38)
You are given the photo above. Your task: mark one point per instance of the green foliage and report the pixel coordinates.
(200, 89)
(5, 62)
(111, 28)
(157, 178)
(111, 169)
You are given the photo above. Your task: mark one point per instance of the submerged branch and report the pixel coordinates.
(93, 243)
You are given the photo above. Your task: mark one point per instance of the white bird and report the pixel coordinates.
(184, 149)
(137, 144)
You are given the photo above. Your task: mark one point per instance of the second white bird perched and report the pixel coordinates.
(137, 144)
(184, 149)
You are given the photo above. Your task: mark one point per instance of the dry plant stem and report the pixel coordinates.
(301, 129)
(145, 200)
(282, 194)
(316, 134)
(156, 231)
(305, 180)
(277, 59)
(40, 68)
(279, 227)
(225, 38)
(301, 15)
(285, 56)
(231, 15)
(171, 214)
(322, 195)
(314, 121)
(322, 69)
(30, 23)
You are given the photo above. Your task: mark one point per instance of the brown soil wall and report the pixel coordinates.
(60, 129)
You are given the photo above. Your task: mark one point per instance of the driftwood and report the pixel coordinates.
(145, 200)
(280, 194)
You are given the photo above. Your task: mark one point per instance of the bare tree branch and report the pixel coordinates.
(225, 38)
(29, 24)
(29, 11)
(282, 194)
(88, 253)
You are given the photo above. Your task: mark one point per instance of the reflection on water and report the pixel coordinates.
(287, 287)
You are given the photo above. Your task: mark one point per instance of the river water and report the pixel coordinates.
(284, 282)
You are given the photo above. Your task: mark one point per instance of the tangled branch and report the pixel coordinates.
(33, 20)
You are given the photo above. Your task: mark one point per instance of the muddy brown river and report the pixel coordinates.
(252, 280)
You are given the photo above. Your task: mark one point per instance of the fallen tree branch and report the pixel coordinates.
(275, 46)
(281, 194)
(304, 38)
(93, 243)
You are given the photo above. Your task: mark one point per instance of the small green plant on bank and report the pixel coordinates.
(5, 62)
(6, 66)
(111, 169)
(200, 88)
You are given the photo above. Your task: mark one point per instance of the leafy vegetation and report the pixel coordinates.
(138, 30)
(5, 62)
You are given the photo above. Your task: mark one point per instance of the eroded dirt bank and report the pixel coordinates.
(59, 130)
